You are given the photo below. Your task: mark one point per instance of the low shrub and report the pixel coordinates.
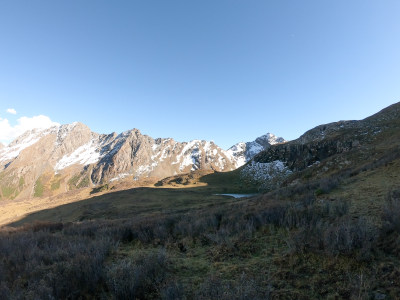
(45, 226)
(391, 211)
(344, 237)
(240, 289)
(348, 236)
(39, 264)
(138, 278)
(173, 291)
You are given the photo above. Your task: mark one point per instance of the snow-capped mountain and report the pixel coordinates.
(72, 156)
(243, 152)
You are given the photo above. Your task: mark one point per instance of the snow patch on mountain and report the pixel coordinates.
(241, 153)
(162, 153)
(190, 155)
(120, 176)
(84, 155)
(236, 153)
(207, 147)
(271, 139)
(221, 162)
(253, 148)
(145, 169)
(267, 175)
(24, 141)
(185, 153)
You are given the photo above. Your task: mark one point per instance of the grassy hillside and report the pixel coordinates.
(329, 230)
(185, 243)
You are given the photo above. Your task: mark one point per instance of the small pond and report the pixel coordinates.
(237, 195)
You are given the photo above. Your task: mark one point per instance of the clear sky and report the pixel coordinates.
(218, 70)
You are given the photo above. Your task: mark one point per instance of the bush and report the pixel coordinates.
(345, 237)
(241, 289)
(348, 236)
(138, 278)
(391, 212)
(45, 226)
(39, 264)
(173, 291)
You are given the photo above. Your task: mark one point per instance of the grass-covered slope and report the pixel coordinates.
(270, 246)
(328, 230)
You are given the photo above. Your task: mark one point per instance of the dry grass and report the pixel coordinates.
(368, 190)
(127, 199)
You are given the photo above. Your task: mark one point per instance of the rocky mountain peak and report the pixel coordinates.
(244, 152)
(69, 137)
(131, 133)
(269, 139)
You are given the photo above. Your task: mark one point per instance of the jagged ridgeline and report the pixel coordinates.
(342, 148)
(44, 162)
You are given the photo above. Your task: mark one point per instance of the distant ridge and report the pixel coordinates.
(48, 161)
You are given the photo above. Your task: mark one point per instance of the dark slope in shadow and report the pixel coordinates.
(129, 204)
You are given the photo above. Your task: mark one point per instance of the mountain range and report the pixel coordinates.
(44, 162)
(318, 216)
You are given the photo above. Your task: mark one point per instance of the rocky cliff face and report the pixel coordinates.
(332, 139)
(298, 156)
(343, 147)
(71, 156)
(132, 153)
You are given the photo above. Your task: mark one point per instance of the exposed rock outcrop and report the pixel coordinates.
(327, 140)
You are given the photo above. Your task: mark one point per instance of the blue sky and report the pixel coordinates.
(226, 71)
